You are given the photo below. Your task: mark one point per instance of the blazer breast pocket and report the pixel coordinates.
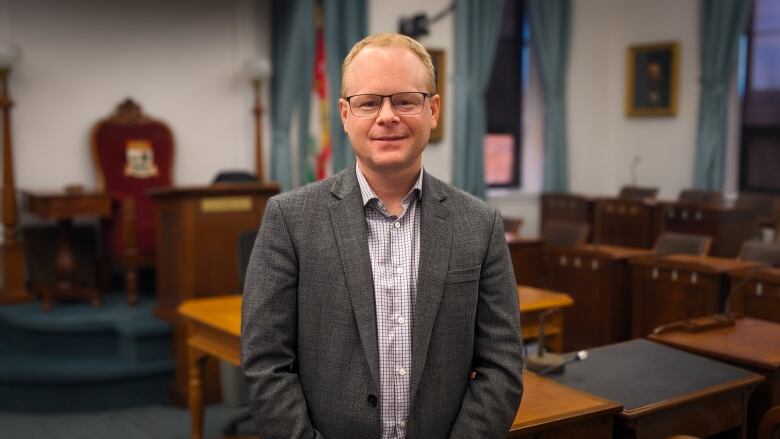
(463, 275)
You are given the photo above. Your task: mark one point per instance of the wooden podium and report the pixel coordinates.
(527, 260)
(598, 279)
(197, 253)
(677, 287)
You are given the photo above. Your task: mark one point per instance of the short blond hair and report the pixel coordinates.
(391, 40)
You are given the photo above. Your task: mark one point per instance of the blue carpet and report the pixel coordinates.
(147, 422)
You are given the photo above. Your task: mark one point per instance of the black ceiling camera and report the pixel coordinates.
(414, 26)
(418, 25)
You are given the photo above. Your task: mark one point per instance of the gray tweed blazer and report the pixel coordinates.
(309, 337)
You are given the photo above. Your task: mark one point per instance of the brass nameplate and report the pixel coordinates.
(226, 204)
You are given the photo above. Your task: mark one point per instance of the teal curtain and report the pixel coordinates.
(550, 23)
(721, 23)
(292, 54)
(345, 25)
(477, 25)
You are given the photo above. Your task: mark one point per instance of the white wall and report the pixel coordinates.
(180, 59)
(602, 139)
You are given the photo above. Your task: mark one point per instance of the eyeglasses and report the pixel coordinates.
(405, 104)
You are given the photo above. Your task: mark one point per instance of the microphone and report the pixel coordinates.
(558, 368)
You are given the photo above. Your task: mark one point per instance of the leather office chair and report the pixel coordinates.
(638, 193)
(513, 226)
(132, 153)
(695, 196)
(682, 243)
(246, 242)
(234, 177)
(769, 427)
(757, 251)
(565, 233)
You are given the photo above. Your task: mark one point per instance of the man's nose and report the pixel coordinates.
(386, 111)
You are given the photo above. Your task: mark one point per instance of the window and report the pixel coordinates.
(504, 100)
(759, 86)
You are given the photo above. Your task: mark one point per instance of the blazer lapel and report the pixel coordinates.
(349, 225)
(435, 243)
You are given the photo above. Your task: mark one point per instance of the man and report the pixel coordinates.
(381, 302)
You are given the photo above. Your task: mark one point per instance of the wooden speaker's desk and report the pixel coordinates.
(527, 259)
(756, 292)
(533, 302)
(197, 253)
(598, 279)
(677, 287)
(665, 391)
(729, 226)
(552, 410)
(750, 344)
(64, 207)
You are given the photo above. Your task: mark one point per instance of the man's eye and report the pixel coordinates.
(367, 104)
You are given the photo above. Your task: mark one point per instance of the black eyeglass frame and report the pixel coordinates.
(426, 95)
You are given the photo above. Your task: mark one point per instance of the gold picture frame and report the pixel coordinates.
(439, 68)
(652, 78)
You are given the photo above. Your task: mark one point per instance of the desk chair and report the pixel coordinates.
(513, 226)
(565, 233)
(758, 251)
(246, 241)
(638, 193)
(234, 177)
(132, 153)
(769, 427)
(696, 196)
(682, 243)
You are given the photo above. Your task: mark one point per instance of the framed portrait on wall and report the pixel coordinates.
(439, 69)
(652, 78)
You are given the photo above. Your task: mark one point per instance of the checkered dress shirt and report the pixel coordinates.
(394, 245)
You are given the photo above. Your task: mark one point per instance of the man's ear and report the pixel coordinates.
(343, 110)
(435, 109)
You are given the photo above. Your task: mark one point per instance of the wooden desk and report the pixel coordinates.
(756, 292)
(729, 226)
(534, 301)
(751, 344)
(677, 287)
(566, 207)
(197, 254)
(213, 328)
(64, 207)
(598, 278)
(552, 410)
(627, 223)
(527, 260)
(665, 391)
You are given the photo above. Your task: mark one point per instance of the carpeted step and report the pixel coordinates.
(79, 330)
(63, 384)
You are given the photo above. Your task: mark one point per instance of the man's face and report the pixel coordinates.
(388, 142)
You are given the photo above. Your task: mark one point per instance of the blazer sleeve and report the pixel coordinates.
(492, 398)
(269, 333)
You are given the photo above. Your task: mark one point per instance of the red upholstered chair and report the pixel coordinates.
(132, 153)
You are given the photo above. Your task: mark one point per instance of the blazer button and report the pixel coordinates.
(371, 400)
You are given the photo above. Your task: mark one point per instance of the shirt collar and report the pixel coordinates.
(368, 194)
